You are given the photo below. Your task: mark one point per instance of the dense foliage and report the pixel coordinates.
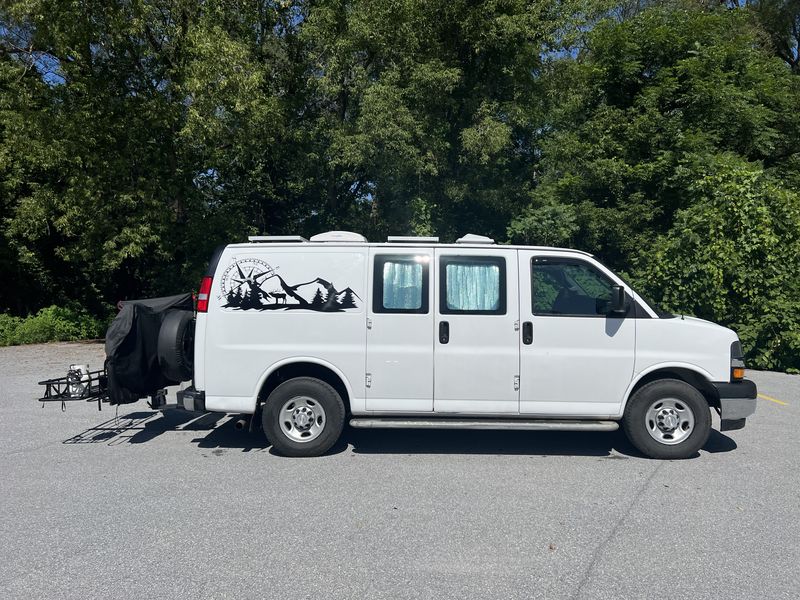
(51, 324)
(663, 136)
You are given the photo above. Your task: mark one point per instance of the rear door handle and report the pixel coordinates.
(527, 333)
(444, 332)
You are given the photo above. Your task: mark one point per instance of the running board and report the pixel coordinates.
(521, 424)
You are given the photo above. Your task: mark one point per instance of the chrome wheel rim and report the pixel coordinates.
(669, 421)
(302, 419)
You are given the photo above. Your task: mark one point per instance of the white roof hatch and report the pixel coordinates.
(339, 236)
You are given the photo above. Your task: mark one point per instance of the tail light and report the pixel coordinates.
(203, 294)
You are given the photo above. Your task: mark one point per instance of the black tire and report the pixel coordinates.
(176, 345)
(279, 430)
(637, 427)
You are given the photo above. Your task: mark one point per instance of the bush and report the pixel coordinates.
(51, 324)
(733, 257)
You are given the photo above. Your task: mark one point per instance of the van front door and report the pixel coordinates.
(476, 353)
(576, 357)
(400, 330)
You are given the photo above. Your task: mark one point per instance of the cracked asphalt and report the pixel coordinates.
(136, 504)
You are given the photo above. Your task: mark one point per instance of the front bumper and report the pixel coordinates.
(737, 401)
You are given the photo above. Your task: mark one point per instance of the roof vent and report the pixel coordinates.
(412, 239)
(339, 236)
(471, 238)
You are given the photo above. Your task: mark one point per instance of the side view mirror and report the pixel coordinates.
(617, 305)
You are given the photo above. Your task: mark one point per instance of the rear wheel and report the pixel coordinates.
(303, 417)
(667, 419)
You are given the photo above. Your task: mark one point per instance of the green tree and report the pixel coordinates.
(780, 20)
(137, 136)
(644, 103)
(734, 257)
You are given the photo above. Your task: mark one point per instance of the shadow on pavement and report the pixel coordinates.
(719, 442)
(220, 433)
(141, 427)
(449, 441)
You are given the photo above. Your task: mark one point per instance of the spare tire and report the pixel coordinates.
(176, 345)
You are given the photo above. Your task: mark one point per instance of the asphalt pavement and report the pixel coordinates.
(136, 504)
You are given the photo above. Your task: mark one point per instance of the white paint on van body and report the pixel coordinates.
(243, 345)
(576, 367)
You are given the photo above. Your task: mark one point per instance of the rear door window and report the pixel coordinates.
(473, 285)
(401, 284)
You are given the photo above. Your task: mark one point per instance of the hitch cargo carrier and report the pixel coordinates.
(149, 346)
(78, 384)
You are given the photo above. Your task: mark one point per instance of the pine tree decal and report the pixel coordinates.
(318, 301)
(235, 297)
(348, 301)
(251, 299)
(331, 304)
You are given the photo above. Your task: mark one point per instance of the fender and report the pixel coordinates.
(297, 359)
(658, 367)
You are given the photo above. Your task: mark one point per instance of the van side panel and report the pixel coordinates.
(684, 340)
(272, 303)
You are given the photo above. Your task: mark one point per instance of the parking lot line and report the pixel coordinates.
(771, 399)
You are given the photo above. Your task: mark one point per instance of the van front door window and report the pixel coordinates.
(569, 288)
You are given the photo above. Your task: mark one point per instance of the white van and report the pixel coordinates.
(416, 334)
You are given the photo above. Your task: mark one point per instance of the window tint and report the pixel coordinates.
(473, 285)
(569, 288)
(401, 284)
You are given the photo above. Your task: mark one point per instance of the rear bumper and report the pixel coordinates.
(737, 401)
(192, 399)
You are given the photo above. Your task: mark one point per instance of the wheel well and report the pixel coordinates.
(697, 381)
(304, 369)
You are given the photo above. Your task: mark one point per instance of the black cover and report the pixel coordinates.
(132, 347)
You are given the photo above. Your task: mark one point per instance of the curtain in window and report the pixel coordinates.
(402, 285)
(473, 287)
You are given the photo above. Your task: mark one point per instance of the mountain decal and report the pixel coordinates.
(254, 285)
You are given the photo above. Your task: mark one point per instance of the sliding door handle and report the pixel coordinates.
(444, 332)
(527, 333)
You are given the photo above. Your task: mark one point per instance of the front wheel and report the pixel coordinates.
(668, 419)
(303, 417)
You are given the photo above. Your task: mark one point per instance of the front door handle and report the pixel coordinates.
(444, 332)
(527, 333)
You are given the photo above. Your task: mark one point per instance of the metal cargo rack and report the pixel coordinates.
(75, 386)
(91, 386)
